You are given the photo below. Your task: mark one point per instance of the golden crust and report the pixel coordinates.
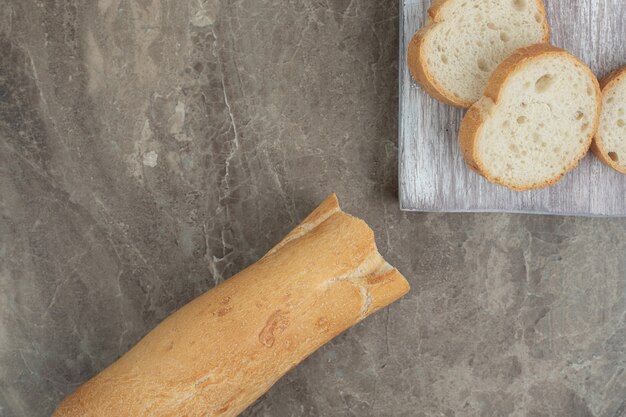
(597, 147)
(417, 61)
(223, 350)
(475, 118)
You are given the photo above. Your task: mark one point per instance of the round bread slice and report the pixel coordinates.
(536, 120)
(463, 41)
(610, 142)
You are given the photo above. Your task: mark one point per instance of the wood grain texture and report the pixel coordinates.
(432, 174)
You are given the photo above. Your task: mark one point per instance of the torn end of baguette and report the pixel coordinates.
(609, 144)
(378, 282)
(535, 121)
(463, 41)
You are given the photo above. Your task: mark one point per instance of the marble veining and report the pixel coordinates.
(150, 149)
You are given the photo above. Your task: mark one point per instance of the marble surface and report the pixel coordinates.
(152, 148)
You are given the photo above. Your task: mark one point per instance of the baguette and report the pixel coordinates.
(222, 351)
(463, 41)
(536, 120)
(609, 145)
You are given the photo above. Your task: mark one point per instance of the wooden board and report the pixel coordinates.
(433, 175)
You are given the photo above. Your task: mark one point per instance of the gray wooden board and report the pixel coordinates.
(433, 175)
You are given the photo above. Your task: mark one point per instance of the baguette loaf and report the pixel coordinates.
(610, 142)
(463, 41)
(536, 120)
(222, 351)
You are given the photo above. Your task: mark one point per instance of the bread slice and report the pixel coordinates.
(463, 41)
(536, 120)
(610, 142)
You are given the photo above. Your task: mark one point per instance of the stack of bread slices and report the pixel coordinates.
(534, 109)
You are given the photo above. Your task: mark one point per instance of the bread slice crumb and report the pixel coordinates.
(463, 41)
(609, 144)
(535, 121)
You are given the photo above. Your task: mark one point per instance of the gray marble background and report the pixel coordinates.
(149, 149)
